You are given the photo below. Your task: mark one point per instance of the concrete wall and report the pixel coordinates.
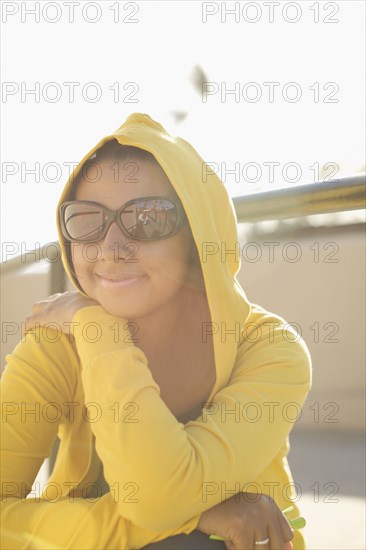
(19, 290)
(324, 294)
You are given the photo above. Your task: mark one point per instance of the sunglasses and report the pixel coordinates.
(143, 219)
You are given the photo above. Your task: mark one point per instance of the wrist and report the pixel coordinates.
(201, 524)
(96, 332)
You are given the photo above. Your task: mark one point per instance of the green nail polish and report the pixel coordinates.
(287, 510)
(297, 523)
(216, 537)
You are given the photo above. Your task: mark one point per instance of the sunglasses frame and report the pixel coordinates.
(114, 216)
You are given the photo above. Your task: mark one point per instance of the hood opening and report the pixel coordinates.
(115, 152)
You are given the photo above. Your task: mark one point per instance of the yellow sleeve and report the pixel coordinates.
(162, 467)
(38, 379)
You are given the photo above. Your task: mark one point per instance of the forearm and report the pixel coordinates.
(67, 523)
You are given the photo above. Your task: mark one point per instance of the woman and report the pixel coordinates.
(157, 373)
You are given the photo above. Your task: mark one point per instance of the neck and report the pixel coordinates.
(162, 326)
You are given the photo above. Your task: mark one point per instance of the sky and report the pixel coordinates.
(281, 104)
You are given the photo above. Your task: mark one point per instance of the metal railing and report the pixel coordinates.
(304, 200)
(338, 195)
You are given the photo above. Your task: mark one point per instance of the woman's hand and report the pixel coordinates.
(57, 310)
(243, 522)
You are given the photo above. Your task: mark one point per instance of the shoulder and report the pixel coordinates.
(271, 343)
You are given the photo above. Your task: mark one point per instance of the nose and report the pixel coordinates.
(116, 246)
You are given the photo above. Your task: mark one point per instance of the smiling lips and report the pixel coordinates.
(119, 280)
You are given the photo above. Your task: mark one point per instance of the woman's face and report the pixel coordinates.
(134, 281)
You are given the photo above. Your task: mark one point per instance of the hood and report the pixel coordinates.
(211, 216)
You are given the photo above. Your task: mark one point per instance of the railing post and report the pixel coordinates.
(57, 280)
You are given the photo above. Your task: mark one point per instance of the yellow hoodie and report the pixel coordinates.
(100, 398)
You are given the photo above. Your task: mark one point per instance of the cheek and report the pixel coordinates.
(167, 258)
(84, 258)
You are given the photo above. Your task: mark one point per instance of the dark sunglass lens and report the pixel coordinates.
(150, 219)
(83, 222)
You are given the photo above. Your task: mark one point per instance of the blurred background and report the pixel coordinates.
(271, 94)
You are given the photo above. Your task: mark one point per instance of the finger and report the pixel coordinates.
(276, 541)
(287, 532)
(51, 298)
(27, 325)
(40, 306)
(42, 303)
(242, 541)
(259, 541)
(37, 307)
(30, 324)
(23, 329)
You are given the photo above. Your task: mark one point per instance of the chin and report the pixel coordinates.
(119, 311)
(129, 311)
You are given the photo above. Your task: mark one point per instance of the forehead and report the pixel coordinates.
(113, 182)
